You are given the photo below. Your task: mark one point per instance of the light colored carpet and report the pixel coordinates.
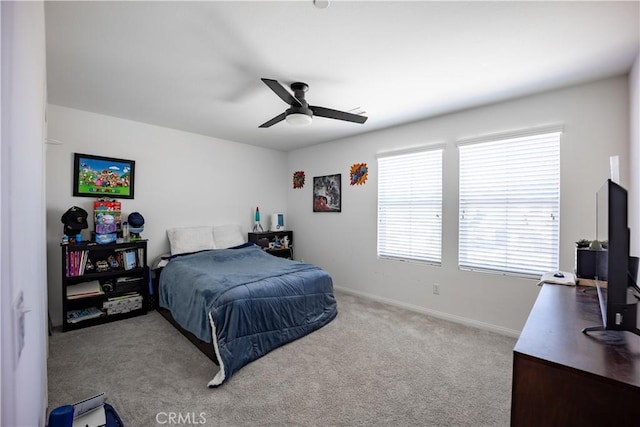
(374, 365)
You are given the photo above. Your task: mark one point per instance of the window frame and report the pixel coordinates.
(509, 267)
(423, 256)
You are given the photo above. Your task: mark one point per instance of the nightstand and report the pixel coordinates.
(267, 239)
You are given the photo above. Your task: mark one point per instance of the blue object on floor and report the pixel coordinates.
(62, 416)
(113, 419)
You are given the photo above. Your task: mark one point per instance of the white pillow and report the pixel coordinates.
(227, 236)
(190, 239)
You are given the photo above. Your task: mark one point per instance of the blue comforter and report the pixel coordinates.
(245, 301)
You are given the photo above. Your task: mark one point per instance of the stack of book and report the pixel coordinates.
(84, 290)
(75, 316)
(131, 257)
(76, 261)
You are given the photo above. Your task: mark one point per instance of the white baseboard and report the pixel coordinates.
(446, 316)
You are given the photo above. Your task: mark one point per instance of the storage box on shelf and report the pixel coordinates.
(103, 282)
(106, 216)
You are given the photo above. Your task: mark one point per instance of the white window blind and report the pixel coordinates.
(510, 204)
(410, 206)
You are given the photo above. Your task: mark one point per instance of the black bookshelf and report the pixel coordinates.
(123, 292)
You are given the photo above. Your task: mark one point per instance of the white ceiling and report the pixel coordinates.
(196, 66)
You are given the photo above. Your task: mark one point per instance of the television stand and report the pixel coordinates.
(602, 328)
(562, 377)
(625, 318)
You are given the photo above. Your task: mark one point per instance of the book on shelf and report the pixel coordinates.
(75, 316)
(125, 279)
(83, 261)
(76, 261)
(84, 290)
(128, 295)
(129, 260)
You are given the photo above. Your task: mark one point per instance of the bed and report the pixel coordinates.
(239, 303)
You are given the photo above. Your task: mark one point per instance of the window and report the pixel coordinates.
(410, 205)
(510, 204)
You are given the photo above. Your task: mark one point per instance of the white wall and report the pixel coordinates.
(596, 125)
(634, 157)
(188, 179)
(24, 381)
(181, 179)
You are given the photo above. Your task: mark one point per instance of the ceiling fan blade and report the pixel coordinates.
(276, 119)
(335, 114)
(282, 92)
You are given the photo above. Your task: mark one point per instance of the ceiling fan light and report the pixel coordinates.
(299, 119)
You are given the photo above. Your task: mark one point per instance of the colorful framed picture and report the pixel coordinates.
(298, 179)
(359, 173)
(97, 176)
(327, 193)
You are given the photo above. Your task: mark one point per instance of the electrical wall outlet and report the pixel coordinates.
(436, 288)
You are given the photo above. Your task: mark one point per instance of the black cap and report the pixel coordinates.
(135, 219)
(74, 219)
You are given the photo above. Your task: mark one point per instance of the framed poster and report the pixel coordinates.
(327, 193)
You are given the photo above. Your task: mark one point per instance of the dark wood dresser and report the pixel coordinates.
(563, 377)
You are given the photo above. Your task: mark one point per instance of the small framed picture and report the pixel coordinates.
(327, 193)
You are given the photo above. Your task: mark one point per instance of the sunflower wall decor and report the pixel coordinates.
(298, 179)
(359, 173)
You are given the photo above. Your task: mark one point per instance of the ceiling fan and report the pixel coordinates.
(300, 112)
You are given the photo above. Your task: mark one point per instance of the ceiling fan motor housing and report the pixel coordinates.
(299, 111)
(299, 90)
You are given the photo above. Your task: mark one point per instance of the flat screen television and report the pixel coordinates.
(98, 176)
(618, 304)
